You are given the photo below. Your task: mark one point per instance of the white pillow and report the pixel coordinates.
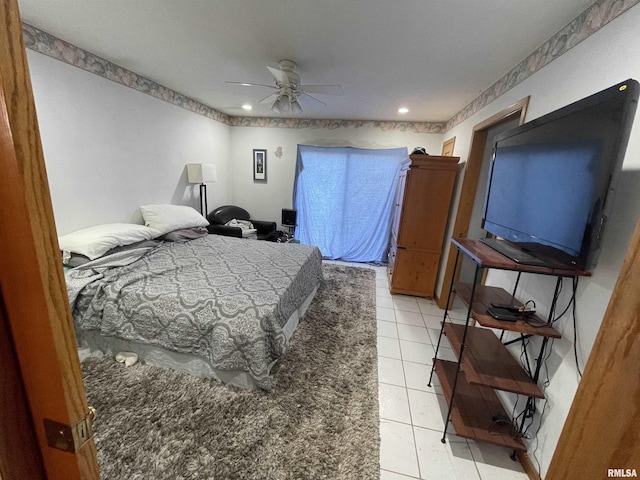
(167, 218)
(94, 242)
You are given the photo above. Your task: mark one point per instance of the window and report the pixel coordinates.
(344, 198)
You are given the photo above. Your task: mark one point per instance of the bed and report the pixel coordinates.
(214, 306)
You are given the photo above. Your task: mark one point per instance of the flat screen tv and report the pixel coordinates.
(552, 180)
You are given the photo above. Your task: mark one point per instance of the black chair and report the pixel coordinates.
(221, 215)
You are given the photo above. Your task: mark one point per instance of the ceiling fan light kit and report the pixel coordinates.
(286, 102)
(288, 89)
(295, 107)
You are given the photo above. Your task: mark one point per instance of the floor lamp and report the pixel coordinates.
(202, 173)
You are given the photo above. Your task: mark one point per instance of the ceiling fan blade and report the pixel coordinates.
(305, 95)
(269, 98)
(246, 84)
(323, 89)
(279, 75)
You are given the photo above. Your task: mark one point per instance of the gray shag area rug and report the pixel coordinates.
(319, 422)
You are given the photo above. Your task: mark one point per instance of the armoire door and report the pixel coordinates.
(426, 208)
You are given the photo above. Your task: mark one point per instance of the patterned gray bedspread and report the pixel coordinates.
(220, 298)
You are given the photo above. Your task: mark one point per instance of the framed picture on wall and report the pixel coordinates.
(259, 165)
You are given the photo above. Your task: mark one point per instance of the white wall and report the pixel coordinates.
(109, 149)
(264, 201)
(604, 59)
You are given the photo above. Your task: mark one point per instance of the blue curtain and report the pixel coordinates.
(344, 198)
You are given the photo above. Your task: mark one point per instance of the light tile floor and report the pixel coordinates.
(412, 413)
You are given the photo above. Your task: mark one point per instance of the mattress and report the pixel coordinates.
(217, 306)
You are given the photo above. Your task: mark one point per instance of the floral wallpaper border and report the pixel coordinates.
(584, 25)
(417, 127)
(591, 20)
(47, 44)
(42, 42)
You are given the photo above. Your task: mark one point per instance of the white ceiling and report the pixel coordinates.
(432, 56)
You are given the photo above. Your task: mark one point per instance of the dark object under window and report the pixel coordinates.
(221, 215)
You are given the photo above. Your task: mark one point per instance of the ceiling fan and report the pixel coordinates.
(288, 89)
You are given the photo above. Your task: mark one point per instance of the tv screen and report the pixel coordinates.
(552, 180)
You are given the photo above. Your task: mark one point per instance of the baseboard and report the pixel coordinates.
(440, 301)
(529, 467)
(436, 298)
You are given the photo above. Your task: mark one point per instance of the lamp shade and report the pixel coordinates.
(295, 107)
(201, 173)
(276, 106)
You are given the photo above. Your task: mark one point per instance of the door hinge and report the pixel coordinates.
(70, 438)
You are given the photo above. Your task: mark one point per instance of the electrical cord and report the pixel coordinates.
(566, 309)
(530, 408)
(550, 323)
(513, 411)
(575, 329)
(544, 408)
(534, 325)
(547, 381)
(545, 384)
(523, 355)
(554, 320)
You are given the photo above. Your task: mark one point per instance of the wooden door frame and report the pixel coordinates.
(19, 453)
(448, 146)
(470, 185)
(32, 287)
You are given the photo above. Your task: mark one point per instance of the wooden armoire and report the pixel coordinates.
(420, 219)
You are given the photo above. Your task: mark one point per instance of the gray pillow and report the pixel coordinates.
(185, 234)
(77, 259)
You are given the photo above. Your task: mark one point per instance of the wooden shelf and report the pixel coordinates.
(486, 361)
(483, 298)
(485, 364)
(474, 409)
(487, 257)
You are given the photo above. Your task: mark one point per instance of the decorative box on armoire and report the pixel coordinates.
(420, 220)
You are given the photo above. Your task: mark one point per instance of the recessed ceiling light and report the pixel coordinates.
(403, 110)
(247, 107)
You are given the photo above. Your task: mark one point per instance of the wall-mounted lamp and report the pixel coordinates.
(202, 173)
